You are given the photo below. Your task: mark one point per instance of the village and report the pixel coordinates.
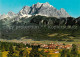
(51, 47)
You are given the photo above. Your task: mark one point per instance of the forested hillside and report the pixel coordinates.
(41, 28)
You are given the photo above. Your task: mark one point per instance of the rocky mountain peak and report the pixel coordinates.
(24, 11)
(62, 9)
(47, 5)
(44, 9)
(63, 13)
(38, 5)
(11, 13)
(25, 7)
(3, 16)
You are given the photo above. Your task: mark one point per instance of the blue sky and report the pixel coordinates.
(71, 6)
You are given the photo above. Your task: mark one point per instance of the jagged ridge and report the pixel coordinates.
(43, 9)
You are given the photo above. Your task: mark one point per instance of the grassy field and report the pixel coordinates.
(77, 41)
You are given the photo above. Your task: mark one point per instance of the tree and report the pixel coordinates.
(74, 51)
(23, 53)
(34, 52)
(19, 46)
(2, 46)
(68, 53)
(43, 53)
(65, 53)
(11, 51)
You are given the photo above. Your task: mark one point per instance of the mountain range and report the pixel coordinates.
(43, 9)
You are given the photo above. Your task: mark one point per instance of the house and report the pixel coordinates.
(56, 52)
(44, 46)
(46, 51)
(51, 46)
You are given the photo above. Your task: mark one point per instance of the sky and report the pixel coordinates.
(71, 6)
